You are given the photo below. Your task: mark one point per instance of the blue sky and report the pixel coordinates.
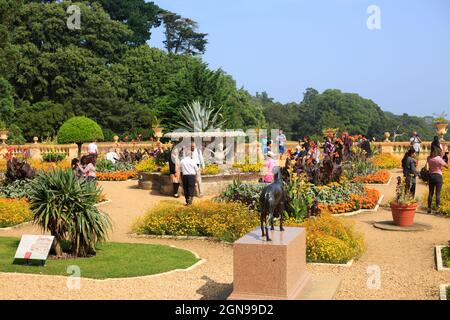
(286, 46)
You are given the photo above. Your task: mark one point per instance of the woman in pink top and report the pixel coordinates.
(435, 164)
(269, 165)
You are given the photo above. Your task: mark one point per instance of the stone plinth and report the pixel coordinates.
(274, 270)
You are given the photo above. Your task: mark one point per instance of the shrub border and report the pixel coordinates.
(443, 291)
(353, 213)
(439, 262)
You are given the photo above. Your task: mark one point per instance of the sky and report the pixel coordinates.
(285, 46)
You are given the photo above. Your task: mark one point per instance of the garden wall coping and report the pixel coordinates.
(443, 291)
(439, 262)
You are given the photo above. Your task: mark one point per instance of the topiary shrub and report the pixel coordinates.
(64, 206)
(79, 130)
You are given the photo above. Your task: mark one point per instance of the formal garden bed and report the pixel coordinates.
(443, 258)
(329, 240)
(112, 260)
(386, 161)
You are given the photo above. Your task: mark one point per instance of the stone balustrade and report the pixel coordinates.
(37, 150)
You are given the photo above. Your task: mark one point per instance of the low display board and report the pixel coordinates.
(32, 247)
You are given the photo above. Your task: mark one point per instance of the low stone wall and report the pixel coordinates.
(211, 185)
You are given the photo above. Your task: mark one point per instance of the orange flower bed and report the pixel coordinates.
(380, 177)
(116, 176)
(366, 201)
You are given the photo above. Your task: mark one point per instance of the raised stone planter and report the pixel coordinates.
(443, 291)
(439, 262)
(211, 185)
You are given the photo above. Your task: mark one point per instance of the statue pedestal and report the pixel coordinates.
(273, 270)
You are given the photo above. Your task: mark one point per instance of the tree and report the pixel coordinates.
(6, 101)
(138, 15)
(181, 35)
(79, 130)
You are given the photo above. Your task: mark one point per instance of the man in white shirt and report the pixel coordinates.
(189, 170)
(197, 156)
(415, 143)
(93, 150)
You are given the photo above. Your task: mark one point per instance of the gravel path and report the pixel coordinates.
(406, 260)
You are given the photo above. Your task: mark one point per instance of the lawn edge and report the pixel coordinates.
(439, 262)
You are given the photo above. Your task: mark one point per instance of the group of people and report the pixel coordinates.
(186, 169)
(437, 160)
(309, 153)
(85, 167)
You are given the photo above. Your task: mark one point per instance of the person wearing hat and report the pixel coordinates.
(269, 165)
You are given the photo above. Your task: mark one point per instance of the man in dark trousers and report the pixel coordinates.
(189, 169)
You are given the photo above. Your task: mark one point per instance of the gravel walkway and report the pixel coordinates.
(406, 260)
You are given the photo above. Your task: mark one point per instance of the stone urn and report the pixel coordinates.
(3, 135)
(441, 129)
(158, 132)
(387, 135)
(403, 214)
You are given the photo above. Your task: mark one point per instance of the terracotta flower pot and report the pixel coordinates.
(403, 214)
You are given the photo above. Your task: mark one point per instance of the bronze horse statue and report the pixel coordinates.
(273, 202)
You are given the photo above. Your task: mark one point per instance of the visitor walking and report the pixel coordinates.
(435, 164)
(269, 165)
(93, 150)
(174, 168)
(415, 142)
(197, 156)
(87, 168)
(189, 169)
(410, 171)
(281, 139)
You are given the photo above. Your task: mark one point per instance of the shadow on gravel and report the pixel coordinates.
(212, 290)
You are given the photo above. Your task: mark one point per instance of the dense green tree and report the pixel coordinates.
(138, 15)
(182, 36)
(6, 101)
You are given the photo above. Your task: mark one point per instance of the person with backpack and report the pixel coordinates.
(436, 180)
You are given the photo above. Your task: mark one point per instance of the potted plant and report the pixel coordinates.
(157, 129)
(404, 206)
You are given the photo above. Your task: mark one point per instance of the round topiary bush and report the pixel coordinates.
(79, 130)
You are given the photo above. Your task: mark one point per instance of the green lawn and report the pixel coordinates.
(113, 260)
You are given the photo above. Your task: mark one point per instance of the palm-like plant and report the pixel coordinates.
(64, 206)
(200, 118)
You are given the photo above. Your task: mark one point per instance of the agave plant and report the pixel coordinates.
(64, 206)
(200, 118)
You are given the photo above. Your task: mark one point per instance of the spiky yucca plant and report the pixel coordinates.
(64, 206)
(199, 118)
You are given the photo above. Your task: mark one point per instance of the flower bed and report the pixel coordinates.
(332, 240)
(368, 200)
(221, 221)
(386, 161)
(14, 212)
(116, 176)
(379, 177)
